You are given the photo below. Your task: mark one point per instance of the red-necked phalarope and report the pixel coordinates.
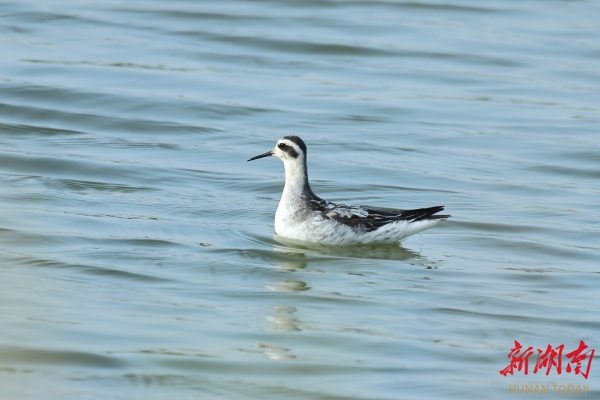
(302, 215)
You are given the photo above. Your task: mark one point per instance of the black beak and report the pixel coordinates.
(267, 154)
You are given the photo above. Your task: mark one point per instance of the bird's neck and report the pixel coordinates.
(296, 180)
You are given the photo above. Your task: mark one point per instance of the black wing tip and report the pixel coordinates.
(426, 214)
(437, 210)
(434, 217)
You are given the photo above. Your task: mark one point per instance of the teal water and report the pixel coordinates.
(137, 249)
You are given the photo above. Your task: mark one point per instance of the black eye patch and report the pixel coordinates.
(288, 149)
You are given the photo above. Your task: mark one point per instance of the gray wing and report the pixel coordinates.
(370, 218)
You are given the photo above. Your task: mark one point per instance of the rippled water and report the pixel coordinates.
(136, 243)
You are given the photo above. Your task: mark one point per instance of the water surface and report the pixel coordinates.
(137, 249)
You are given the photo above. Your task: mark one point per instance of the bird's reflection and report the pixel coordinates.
(293, 261)
(283, 319)
(372, 251)
(293, 257)
(275, 352)
(289, 286)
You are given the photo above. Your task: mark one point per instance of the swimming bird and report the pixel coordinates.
(304, 216)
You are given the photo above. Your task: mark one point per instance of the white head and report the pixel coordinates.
(288, 149)
(292, 151)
